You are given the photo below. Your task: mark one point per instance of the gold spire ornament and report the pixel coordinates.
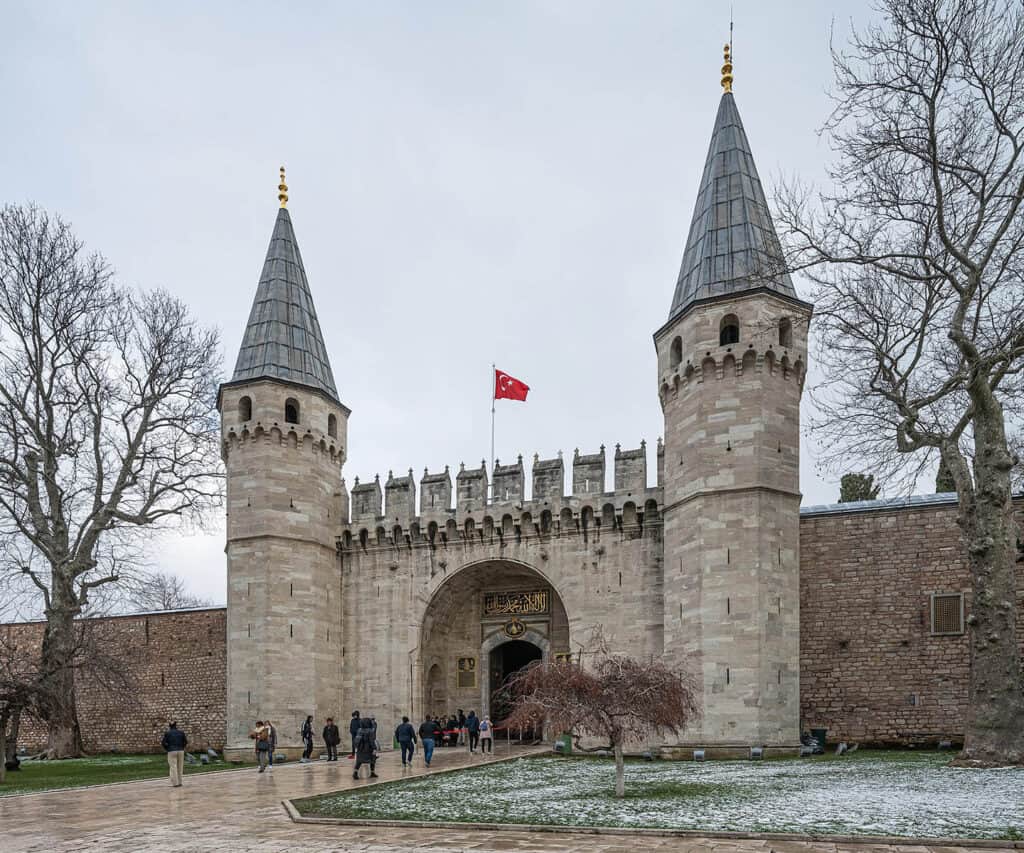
(726, 70)
(282, 194)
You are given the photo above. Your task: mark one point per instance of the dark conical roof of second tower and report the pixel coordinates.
(282, 339)
(732, 245)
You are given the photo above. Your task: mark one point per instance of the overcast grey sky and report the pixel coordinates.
(470, 182)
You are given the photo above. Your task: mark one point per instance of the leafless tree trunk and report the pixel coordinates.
(917, 257)
(107, 427)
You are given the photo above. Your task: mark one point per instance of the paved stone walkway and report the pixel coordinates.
(241, 811)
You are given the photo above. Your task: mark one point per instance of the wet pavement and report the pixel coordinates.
(241, 811)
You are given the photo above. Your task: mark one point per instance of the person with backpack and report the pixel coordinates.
(353, 730)
(486, 735)
(332, 737)
(261, 735)
(174, 743)
(473, 728)
(307, 739)
(429, 732)
(405, 734)
(366, 748)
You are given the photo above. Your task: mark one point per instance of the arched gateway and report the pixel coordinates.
(482, 624)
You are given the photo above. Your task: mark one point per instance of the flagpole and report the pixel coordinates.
(490, 479)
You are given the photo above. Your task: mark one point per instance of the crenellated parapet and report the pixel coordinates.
(725, 365)
(588, 510)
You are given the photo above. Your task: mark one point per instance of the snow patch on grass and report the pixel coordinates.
(904, 794)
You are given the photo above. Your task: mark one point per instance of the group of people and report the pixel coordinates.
(457, 729)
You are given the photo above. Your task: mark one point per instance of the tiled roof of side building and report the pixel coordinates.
(732, 245)
(282, 339)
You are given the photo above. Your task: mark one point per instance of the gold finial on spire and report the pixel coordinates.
(727, 70)
(282, 194)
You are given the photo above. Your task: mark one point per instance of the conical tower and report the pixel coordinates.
(284, 441)
(731, 363)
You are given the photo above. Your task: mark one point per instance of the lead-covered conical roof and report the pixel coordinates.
(732, 245)
(282, 339)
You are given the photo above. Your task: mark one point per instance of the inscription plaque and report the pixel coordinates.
(516, 603)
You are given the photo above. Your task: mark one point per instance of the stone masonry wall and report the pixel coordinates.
(870, 669)
(175, 662)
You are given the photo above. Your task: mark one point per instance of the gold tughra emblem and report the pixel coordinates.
(516, 603)
(514, 628)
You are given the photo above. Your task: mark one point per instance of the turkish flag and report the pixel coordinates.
(508, 387)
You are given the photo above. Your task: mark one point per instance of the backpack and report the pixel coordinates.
(484, 726)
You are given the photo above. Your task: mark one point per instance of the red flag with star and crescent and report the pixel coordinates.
(508, 387)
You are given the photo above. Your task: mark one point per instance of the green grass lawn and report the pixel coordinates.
(896, 793)
(95, 770)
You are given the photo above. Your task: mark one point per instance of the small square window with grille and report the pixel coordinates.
(947, 613)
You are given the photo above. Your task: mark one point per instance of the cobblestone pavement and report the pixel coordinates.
(241, 811)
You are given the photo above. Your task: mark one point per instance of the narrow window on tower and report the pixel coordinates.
(248, 629)
(729, 330)
(728, 606)
(291, 630)
(728, 556)
(291, 411)
(291, 590)
(728, 676)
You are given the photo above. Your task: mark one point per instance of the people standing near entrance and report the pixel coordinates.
(462, 728)
(307, 739)
(429, 732)
(272, 737)
(366, 749)
(261, 736)
(486, 734)
(332, 737)
(473, 729)
(405, 734)
(174, 743)
(353, 730)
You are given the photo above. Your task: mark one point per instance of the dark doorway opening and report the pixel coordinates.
(506, 660)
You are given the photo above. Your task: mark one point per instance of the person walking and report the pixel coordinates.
(486, 735)
(307, 739)
(353, 730)
(332, 737)
(405, 734)
(473, 728)
(261, 736)
(366, 749)
(272, 739)
(429, 732)
(174, 743)
(462, 727)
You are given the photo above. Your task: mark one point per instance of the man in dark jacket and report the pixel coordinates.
(174, 743)
(307, 739)
(332, 737)
(405, 734)
(430, 731)
(353, 730)
(473, 727)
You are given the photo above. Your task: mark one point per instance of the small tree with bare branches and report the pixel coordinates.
(614, 697)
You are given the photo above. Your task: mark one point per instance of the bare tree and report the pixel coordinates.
(618, 698)
(916, 254)
(107, 427)
(163, 591)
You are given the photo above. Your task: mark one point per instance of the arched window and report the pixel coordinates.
(785, 333)
(676, 355)
(291, 411)
(332, 426)
(729, 331)
(245, 409)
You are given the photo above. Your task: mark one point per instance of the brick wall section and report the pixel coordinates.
(870, 670)
(177, 665)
